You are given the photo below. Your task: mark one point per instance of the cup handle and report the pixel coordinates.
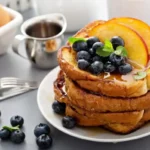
(15, 46)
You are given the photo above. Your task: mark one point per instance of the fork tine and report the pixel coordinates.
(18, 82)
(13, 92)
(14, 82)
(21, 86)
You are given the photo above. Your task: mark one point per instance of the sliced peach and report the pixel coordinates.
(139, 26)
(136, 47)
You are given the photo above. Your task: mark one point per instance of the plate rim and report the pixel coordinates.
(67, 131)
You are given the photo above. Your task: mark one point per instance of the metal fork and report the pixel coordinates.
(10, 82)
(12, 92)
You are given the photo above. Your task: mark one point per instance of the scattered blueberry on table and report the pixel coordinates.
(5, 134)
(41, 129)
(13, 132)
(43, 138)
(44, 141)
(17, 121)
(17, 136)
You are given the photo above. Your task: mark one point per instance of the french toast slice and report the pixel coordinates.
(102, 118)
(114, 86)
(95, 103)
(124, 129)
(89, 101)
(67, 62)
(96, 119)
(120, 128)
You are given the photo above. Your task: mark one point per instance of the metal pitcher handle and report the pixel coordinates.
(15, 46)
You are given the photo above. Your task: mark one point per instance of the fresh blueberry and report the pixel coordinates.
(92, 53)
(5, 134)
(97, 45)
(117, 41)
(79, 46)
(124, 69)
(41, 129)
(68, 122)
(96, 67)
(17, 136)
(58, 107)
(83, 55)
(116, 59)
(83, 64)
(97, 58)
(44, 141)
(91, 41)
(109, 67)
(16, 120)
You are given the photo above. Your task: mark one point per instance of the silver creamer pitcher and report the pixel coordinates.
(43, 36)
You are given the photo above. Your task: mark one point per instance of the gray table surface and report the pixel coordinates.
(26, 106)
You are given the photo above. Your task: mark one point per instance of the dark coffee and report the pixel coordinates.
(43, 29)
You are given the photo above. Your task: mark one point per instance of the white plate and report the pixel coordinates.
(45, 100)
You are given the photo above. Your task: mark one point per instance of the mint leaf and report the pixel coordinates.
(75, 39)
(108, 44)
(106, 50)
(11, 128)
(103, 53)
(121, 51)
(140, 75)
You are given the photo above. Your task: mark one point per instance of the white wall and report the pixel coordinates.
(19, 5)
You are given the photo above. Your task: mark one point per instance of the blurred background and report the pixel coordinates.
(80, 12)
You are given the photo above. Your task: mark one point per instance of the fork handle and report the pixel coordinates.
(18, 39)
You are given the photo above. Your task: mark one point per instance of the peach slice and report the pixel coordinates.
(137, 25)
(136, 47)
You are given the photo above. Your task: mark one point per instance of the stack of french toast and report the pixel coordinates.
(114, 95)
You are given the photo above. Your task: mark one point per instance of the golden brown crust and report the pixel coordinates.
(100, 103)
(122, 122)
(95, 103)
(131, 118)
(121, 128)
(114, 88)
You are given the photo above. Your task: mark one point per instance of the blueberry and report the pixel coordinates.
(79, 46)
(16, 120)
(5, 134)
(97, 45)
(109, 67)
(17, 136)
(83, 55)
(68, 122)
(44, 141)
(41, 129)
(91, 41)
(97, 58)
(58, 107)
(117, 41)
(116, 59)
(83, 64)
(92, 53)
(124, 69)
(96, 67)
